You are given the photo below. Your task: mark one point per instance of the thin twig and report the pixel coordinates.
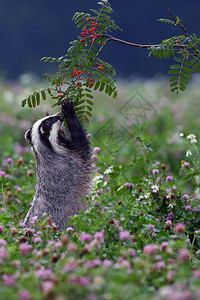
(179, 24)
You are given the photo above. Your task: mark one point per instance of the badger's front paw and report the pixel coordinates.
(68, 109)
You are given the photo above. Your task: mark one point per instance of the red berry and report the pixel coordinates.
(101, 69)
(100, 65)
(89, 84)
(59, 96)
(91, 19)
(96, 64)
(88, 73)
(87, 19)
(90, 79)
(77, 83)
(61, 83)
(92, 83)
(177, 42)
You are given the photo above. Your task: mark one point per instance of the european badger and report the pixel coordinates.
(63, 167)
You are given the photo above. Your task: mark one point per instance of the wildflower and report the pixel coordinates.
(24, 248)
(9, 280)
(94, 157)
(189, 152)
(128, 185)
(96, 150)
(69, 229)
(98, 280)
(18, 188)
(2, 173)
(107, 263)
(183, 255)
(181, 134)
(97, 178)
(93, 263)
(171, 215)
(85, 237)
(164, 246)
(160, 265)
(185, 164)
(24, 295)
(47, 286)
(120, 187)
(179, 228)
(192, 138)
(169, 222)
(109, 170)
(151, 227)
(99, 236)
(1, 228)
(3, 253)
(196, 274)
(146, 195)
(37, 240)
(71, 247)
(187, 207)
(13, 230)
(169, 178)
(29, 173)
(159, 180)
(155, 188)
(3, 242)
(124, 235)
(150, 249)
(155, 171)
(9, 161)
(185, 198)
(84, 281)
(168, 196)
(34, 220)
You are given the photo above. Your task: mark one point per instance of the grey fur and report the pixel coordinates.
(63, 174)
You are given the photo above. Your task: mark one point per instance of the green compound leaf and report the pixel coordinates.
(24, 102)
(33, 101)
(37, 98)
(43, 95)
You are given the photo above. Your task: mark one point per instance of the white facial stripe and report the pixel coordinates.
(53, 138)
(34, 134)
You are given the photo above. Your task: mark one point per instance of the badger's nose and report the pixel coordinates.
(59, 115)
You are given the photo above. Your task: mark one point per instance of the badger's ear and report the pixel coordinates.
(28, 135)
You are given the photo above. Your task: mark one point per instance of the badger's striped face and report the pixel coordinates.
(45, 131)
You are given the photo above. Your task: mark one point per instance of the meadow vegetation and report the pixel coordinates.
(140, 236)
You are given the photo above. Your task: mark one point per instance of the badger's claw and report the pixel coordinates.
(67, 108)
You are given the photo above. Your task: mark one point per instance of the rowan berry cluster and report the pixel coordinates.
(93, 35)
(77, 73)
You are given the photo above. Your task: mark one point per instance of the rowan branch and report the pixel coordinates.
(179, 24)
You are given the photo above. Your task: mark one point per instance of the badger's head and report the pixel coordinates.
(44, 134)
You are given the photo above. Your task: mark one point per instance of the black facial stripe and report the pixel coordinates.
(47, 124)
(44, 130)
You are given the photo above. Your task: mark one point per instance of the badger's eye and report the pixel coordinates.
(44, 131)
